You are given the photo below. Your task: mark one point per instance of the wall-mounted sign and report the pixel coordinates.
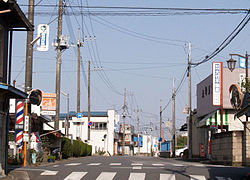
(242, 62)
(236, 97)
(217, 83)
(43, 42)
(48, 104)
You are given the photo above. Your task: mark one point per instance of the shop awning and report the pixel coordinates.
(213, 118)
(11, 92)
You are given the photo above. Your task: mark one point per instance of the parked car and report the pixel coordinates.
(179, 152)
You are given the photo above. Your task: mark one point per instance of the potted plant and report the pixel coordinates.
(51, 158)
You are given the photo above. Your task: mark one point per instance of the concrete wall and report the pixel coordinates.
(227, 147)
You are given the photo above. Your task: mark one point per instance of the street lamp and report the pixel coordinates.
(231, 66)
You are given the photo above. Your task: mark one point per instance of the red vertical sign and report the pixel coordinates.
(202, 150)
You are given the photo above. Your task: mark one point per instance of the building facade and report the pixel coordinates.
(103, 131)
(12, 19)
(207, 117)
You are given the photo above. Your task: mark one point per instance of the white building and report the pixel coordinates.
(148, 143)
(103, 132)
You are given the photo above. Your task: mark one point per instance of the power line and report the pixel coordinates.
(151, 8)
(227, 41)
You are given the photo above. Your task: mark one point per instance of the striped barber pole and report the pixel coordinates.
(19, 112)
(19, 121)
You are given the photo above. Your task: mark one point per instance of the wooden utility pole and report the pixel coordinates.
(79, 45)
(58, 65)
(138, 130)
(29, 49)
(28, 74)
(173, 140)
(190, 104)
(124, 116)
(89, 101)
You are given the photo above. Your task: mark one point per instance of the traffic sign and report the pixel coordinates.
(90, 123)
(79, 115)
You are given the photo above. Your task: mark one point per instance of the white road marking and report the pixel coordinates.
(49, 173)
(75, 176)
(106, 176)
(137, 167)
(55, 165)
(136, 176)
(94, 164)
(136, 164)
(73, 164)
(222, 178)
(167, 177)
(197, 177)
(157, 164)
(177, 165)
(115, 164)
(198, 165)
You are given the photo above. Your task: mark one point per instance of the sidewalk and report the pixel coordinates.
(23, 175)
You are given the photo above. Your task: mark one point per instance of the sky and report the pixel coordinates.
(140, 53)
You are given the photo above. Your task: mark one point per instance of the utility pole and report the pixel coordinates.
(160, 123)
(89, 101)
(124, 116)
(173, 141)
(28, 75)
(190, 104)
(79, 45)
(138, 129)
(58, 65)
(29, 49)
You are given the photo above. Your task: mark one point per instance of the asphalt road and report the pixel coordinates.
(133, 168)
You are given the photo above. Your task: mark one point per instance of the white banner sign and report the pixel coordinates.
(217, 83)
(43, 42)
(26, 123)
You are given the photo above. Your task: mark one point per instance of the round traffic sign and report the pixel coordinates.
(79, 115)
(90, 123)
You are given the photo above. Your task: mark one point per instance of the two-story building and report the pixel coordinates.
(11, 19)
(207, 117)
(103, 130)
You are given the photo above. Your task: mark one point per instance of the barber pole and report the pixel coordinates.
(19, 124)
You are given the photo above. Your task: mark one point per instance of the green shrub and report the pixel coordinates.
(89, 150)
(77, 149)
(66, 148)
(52, 157)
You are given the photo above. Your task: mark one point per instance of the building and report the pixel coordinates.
(12, 19)
(207, 119)
(103, 131)
(148, 145)
(129, 139)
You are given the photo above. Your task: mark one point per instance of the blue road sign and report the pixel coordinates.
(90, 123)
(79, 115)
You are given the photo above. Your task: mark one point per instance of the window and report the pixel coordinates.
(202, 94)
(209, 89)
(99, 126)
(63, 125)
(206, 90)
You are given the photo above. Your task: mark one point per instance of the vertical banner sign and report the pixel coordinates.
(217, 83)
(19, 123)
(43, 42)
